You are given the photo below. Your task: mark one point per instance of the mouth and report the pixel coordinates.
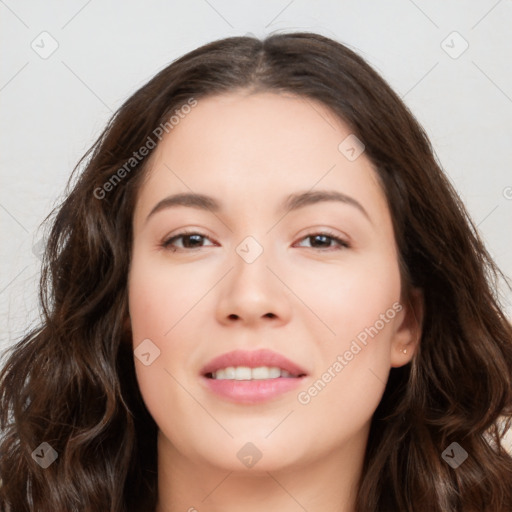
(251, 376)
(247, 373)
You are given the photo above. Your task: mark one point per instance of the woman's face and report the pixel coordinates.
(263, 274)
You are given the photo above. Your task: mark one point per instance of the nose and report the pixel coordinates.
(252, 294)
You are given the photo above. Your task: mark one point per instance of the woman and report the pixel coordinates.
(261, 292)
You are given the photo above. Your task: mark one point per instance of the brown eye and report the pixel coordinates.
(324, 241)
(189, 240)
(194, 240)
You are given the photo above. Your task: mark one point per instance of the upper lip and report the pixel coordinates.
(253, 359)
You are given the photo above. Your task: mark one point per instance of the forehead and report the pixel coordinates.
(245, 147)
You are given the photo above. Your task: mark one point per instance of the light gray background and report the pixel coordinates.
(53, 108)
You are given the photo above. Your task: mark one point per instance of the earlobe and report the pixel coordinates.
(408, 332)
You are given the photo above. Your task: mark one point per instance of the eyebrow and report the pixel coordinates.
(291, 203)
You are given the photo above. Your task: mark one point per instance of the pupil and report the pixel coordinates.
(190, 237)
(323, 237)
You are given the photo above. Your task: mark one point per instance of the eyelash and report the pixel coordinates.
(166, 244)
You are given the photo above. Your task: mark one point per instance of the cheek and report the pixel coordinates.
(360, 305)
(163, 302)
(153, 312)
(341, 398)
(159, 296)
(349, 297)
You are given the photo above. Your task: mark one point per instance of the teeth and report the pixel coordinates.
(242, 373)
(246, 373)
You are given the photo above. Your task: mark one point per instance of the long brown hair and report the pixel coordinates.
(71, 382)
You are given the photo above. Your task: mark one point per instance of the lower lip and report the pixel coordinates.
(251, 391)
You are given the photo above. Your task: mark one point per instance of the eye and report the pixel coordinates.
(193, 240)
(323, 241)
(190, 240)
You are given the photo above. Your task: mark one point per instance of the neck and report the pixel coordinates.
(326, 484)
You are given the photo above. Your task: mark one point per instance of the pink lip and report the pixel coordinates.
(252, 391)
(252, 359)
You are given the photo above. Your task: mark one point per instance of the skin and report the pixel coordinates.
(250, 151)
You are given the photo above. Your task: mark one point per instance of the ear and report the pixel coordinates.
(408, 329)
